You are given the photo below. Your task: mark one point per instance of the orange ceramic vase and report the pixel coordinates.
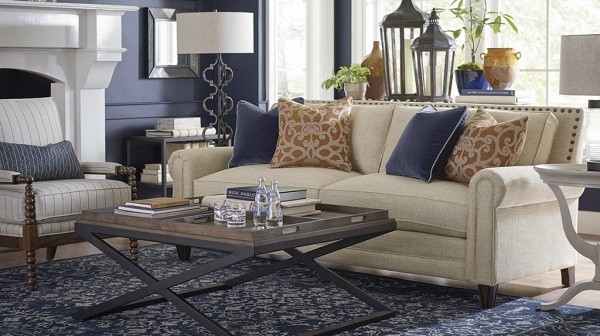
(374, 61)
(501, 67)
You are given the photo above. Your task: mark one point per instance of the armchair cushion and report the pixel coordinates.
(106, 168)
(51, 162)
(61, 200)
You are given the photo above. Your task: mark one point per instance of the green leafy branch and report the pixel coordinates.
(353, 74)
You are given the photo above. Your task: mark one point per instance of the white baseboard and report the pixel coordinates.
(589, 223)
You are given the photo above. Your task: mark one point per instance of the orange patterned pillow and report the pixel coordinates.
(313, 136)
(485, 143)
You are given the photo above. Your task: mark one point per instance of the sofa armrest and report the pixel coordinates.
(514, 226)
(514, 186)
(187, 165)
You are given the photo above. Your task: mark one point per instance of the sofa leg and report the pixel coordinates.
(31, 274)
(568, 276)
(51, 252)
(183, 252)
(487, 295)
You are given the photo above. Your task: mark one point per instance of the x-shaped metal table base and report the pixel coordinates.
(162, 287)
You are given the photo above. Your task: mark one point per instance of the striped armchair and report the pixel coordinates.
(36, 214)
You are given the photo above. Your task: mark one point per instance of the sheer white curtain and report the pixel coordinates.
(300, 53)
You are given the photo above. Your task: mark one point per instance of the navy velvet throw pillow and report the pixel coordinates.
(256, 133)
(51, 162)
(427, 142)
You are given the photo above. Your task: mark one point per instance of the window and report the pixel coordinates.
(298, 31)
(540, 22)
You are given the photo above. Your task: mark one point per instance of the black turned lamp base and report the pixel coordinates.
(593, 165)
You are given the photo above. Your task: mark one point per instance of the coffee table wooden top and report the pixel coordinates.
(334, 222)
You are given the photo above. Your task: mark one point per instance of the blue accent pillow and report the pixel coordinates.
(427, 142)
(256, 133)
(51, 162)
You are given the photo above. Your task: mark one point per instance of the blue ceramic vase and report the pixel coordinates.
(471, 79)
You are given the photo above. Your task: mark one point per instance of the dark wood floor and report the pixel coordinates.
(544, 287)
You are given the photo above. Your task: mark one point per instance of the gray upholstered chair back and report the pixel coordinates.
(30, 121)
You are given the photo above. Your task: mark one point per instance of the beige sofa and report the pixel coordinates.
(503, 226)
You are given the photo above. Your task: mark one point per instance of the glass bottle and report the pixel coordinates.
(274, 213)
(259, 208)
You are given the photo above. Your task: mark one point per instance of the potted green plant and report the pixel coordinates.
(352, 79)
(475, 17)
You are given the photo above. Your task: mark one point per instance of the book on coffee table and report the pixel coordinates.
(158, 202)
(191, 211)
(248, 193)
(178, 208)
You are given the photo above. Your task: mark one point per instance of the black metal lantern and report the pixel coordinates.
(433, 58)
(398, 30)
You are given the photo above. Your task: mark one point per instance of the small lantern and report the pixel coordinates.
(398, 30)
(433, 57)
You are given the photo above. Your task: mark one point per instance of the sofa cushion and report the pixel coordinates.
(426, 143)
(256, 134)
(485, 143)
(50, 162)
(61, 200)
(314, 136)
(311, 178)
(369, 126)
(406, 199)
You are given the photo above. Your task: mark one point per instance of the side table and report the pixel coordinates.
(163, 141)
(572, 175)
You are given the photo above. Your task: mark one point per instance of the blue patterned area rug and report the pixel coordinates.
(286, 303)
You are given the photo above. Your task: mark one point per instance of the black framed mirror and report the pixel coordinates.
(163, 60)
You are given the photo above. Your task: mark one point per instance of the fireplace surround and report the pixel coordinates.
(76, 46)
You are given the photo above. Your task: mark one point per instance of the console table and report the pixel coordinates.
(163, 141)
(572, 175)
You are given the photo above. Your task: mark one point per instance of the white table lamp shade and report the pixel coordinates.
(215, 32)
(580, 65)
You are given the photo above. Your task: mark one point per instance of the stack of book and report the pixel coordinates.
(152, 173)
(160, 207)
(179, 127)
(507, 97)
(293, 200)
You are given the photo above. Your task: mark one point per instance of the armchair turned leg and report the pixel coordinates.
(487, 295)
(51, 252)
(568, 276)
(131, 179)
(133, 250)
(31, 273)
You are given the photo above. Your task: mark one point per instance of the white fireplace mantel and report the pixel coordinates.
(77, 46)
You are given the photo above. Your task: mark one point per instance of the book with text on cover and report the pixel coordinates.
(248, 193)
(158, 202)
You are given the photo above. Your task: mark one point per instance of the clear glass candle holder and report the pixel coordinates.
(592, 155)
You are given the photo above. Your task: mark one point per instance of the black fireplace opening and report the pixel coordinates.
(23, 84)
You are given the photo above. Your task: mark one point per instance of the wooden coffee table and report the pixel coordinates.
(337, 226)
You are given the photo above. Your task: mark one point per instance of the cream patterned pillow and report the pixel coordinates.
(486, 143)
(314, 136)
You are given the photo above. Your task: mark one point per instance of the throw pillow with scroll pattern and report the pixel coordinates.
(313, 136)
(485, 143)
(51, 162)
